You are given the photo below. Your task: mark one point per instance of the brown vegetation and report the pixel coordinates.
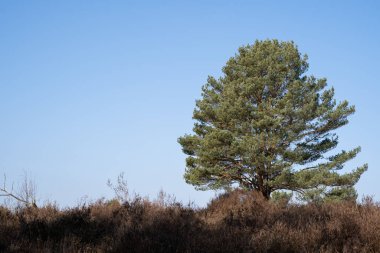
(234, 222)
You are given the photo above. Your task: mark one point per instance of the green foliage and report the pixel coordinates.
(267, 126)
(281, 197)
(323, 194)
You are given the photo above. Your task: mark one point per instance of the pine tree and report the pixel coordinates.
(267, 126)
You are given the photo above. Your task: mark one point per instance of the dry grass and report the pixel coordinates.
(234, 222)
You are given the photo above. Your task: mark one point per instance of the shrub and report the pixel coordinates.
(237, 221)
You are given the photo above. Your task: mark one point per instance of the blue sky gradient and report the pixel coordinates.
(90, 89)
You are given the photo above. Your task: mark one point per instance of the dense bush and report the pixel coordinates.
(233, 222)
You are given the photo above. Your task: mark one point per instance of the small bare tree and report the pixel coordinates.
(120, 188)
(25, 194)
(164, 199)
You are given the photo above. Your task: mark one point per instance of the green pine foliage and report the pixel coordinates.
(267, 126)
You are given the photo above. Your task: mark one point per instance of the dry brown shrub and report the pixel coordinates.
(237, 221)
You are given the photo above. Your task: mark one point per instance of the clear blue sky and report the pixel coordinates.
(89, 89)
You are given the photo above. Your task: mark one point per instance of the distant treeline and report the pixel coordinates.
(233, 222)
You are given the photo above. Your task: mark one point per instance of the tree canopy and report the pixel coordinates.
(265, 125)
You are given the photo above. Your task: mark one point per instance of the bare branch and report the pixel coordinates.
(26, 195)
